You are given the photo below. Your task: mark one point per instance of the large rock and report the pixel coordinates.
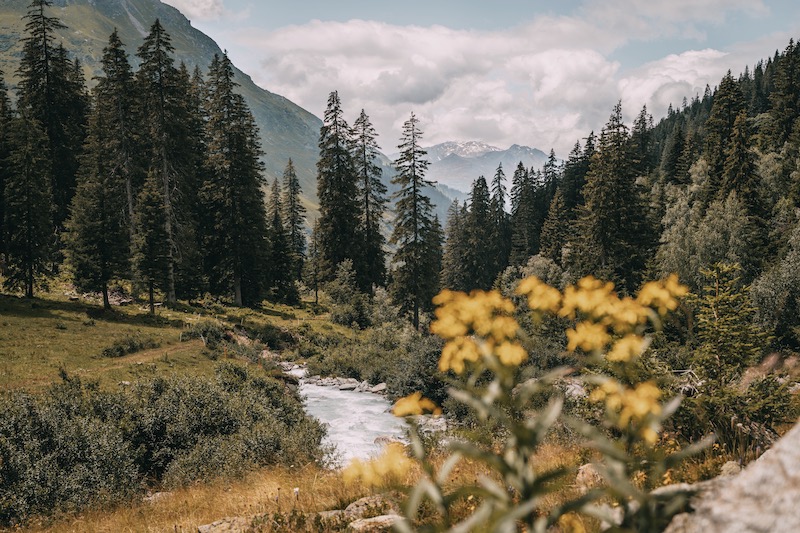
(588, 478)
(226, 525)
(762, 498)
(377, 524)
(371, 505)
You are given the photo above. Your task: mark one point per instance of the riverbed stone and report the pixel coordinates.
(348, 386)
(380, 387)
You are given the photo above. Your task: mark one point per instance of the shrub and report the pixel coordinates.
(75, 447)
(130, 344)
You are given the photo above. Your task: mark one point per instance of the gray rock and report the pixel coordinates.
(226, 525)
(587, 478)
(380, 387)
(348, 386)
(730, 468)
(375, 504)
(374, 525)
(762, 498)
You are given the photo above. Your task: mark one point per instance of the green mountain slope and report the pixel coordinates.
(287, 130)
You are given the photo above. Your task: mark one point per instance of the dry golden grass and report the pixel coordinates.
(320, 489)
(185, 509)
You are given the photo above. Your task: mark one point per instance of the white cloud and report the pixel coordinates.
(545, 83)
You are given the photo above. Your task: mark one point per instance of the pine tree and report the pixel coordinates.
(522, 206)
(337, 191)
(728, 102)
(784, 99)
(5, 124)
(294, 219)
(730, 340)
(51, 92)
(613, 237)
(28, 205)
(478, 257)
(150, 246)
(97, 235)
(371, 267)
(454, 274)
(555, 230)
(414, 227)
(236, 231)
(641, 141)
(161, 104)
(280, 253)
(114, 98)
(500, 238)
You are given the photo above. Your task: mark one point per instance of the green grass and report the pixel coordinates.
(41, 336)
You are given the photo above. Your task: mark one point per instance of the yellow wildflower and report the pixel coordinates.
(511, 354)
(624, 314)
(414, 404)
(662, 295)
(626, 349)
(571, 523)
(390, 465)
(503, 327)
(628, 406)
(588, 336)
(587, 296)
(455, 352)
(541, 296)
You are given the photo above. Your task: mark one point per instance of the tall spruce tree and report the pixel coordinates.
(555, 230)
(294, 219)
(455, 275)
(5, 124)
(232, 193)
(478, 257)
(728, 102)
(28, 205)
(500, 238)
(613, 237)
(371, 266)
(114, 107)
(97, 234)
(280, 252)
(51, 92)
(415, 233)
(150, 240)
(161, 103)
(522, 207)
(337, 191)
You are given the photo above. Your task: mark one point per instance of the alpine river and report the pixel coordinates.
(354, 419)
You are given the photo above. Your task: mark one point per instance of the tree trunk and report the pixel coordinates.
(237, 291)
(106, 303)
(150, 291)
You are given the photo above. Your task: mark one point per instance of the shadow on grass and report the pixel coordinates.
(11, 305)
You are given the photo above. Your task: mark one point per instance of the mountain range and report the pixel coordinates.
(287, 130)
(456, 165)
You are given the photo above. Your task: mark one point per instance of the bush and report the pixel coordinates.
(130, 344)
(75, 447)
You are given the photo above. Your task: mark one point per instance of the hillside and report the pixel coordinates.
(287, 130)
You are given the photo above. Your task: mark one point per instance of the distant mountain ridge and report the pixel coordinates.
(457, 164)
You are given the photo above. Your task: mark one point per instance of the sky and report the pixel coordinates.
(537, 73)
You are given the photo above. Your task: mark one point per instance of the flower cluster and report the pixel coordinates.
(381, 471)
(475, 325)
(415, 404)
(637, 406)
